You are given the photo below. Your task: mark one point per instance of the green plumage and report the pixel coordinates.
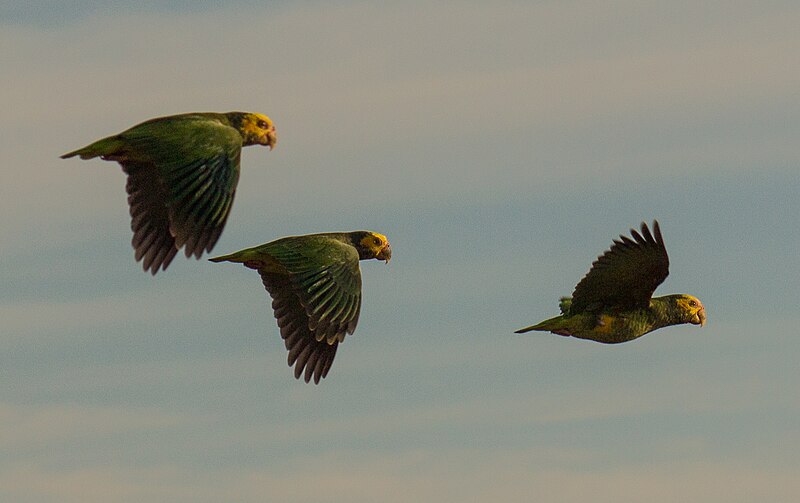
(613, 303)
(315, 285)
(182, 176)
(612, 326)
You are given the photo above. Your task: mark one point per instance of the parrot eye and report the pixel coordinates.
(692, 303)
(377, 242)
(262, 124)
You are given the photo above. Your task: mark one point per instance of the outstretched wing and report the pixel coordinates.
(152, 240)
(305, 351)
(183, 172)
(315, 284)
(626, 275)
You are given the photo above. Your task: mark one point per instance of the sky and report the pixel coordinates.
(501, 147)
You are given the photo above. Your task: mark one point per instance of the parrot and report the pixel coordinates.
(315, 284)
(613, 303)
(182, 172)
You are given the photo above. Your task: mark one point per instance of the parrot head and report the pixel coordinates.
(691, 309)
(257, 129)
(372, 245)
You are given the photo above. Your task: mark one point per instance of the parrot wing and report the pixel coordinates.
(152, 240)
(315, 285)
(182, 176)
(626, 275)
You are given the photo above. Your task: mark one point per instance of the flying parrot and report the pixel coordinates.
(182, 176)
(315, 285)
(613, 303)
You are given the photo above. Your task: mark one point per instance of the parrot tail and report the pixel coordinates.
(555, 325)
(101, 148)
(233, 257)
(249, 257)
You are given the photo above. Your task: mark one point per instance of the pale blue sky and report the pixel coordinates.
(500, 148)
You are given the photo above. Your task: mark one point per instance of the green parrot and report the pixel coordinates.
(613, 303)
(182, 176)
(315, 285)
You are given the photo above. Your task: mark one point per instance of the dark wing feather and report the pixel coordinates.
(305, 351)
(152, 240)
(316, 292)
(626, 275)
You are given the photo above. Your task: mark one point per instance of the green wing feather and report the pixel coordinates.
(626, 275)
(315, 284)
(182, 176)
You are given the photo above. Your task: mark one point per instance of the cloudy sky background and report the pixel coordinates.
(500, 147)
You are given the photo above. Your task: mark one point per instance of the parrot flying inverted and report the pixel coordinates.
(315, 285)
(613, 303)
(182, 176)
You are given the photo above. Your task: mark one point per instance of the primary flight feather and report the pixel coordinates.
(315, 285)
(613, 303)
(182, 176)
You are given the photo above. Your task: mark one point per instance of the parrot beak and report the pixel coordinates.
(699, 317)
(271, 138)
(385, 253)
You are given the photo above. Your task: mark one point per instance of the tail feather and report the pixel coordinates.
(101, 148)
(249, 257)
(233, 257)
(549, 325)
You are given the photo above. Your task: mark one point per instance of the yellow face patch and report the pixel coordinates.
(689, 304)
(374, 242)
(258, 128)
(376, 246)
(693, 309)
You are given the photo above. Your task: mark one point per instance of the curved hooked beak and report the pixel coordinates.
(699, 317)
(271, 138)
(385, 253)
